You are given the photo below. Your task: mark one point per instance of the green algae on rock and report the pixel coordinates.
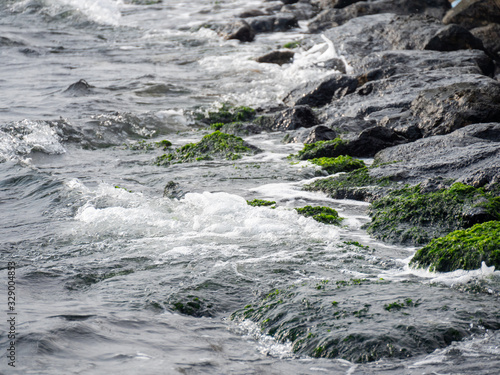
(215, 145)
(341, 163)
(227, 114)
(358, 185)
(325, 215)
(261, 203)
(410, 216)
(322, 149)
(462, 249)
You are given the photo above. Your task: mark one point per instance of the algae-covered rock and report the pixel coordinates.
(462, 249)
(339, 318)
(261, 203)
(216, 145)
(227, 114)
(358, 185)
(411, 216)
(325, 215)
(339, 164)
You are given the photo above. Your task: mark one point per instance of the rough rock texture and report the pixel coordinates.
(470, 155)
(301, 11)
(277, 22)
(474, 13)
(453, 38)
(489, 35)
(336, 17)
(319, 94)
(311, 135)
(300, 116)
(277, 57)
(239, 30)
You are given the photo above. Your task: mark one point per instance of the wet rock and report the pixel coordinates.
(489, 35)
(470, 155)
(239, 30)
(319, 94)
(277, 57)
(445, 109)
(337, 17)
(474, 13)
(173, 190)
(326, 4)
(333, 64)
(277, 22)
(452, 38)
(311, 135)
(301, 11)
(79, 88)
(251, 13)
(301, 116)
(8, 42)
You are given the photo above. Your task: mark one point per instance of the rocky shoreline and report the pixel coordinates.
(417, 88)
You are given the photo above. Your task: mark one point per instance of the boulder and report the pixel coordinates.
(474, 13)
(277, 22)
(489, 35)
(336, 17)
(277, 57)
(239, 30)
(317, 94)
(300, 116)
(453, 38)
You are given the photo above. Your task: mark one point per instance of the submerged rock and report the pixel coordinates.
(79, 88)
(215, 145)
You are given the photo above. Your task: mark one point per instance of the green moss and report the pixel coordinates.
(217, 126)
(462, 249)
(400, 305)
(357, 184)
(261, 202)
(165, 144)
(292, 45)
(325, 215)
(192, 306)
(215, 145)
(322, 149)
(341, 163)
(409, 216)
(227, 114)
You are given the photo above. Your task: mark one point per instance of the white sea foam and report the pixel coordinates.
(266, 344)
(100, 11)
(24, 137)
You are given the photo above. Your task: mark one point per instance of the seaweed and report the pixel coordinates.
(213, 145)
(462, 249)
(342, 163)
(261, 202)
(325, 215)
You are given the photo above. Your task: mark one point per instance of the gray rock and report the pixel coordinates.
(300, 116)
(311, 135)
(301, 11)
(470, 155)
(277, 22)
(453, 38)
(333, 64)
(336, 17)
(239, 30)
(474, 13)
(489, 35)
(277, 57)
(318, 94)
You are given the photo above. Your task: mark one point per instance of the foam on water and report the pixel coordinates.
(101, 11)
(115, 211)
(23, 137)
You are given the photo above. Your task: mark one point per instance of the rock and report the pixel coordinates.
(489, 35)
(286, 2)
(311, 135)
(277, 22)
(452, 38)
(474, 13)
(442, 110)
(301, 11)
(7, 42)
(277, 57)
(336, 17)
(239, 30)
(172, 190)
(458, 156)
(251, 13)
(79, 88)
(319, 94)
(300, 116)
(333, 64)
